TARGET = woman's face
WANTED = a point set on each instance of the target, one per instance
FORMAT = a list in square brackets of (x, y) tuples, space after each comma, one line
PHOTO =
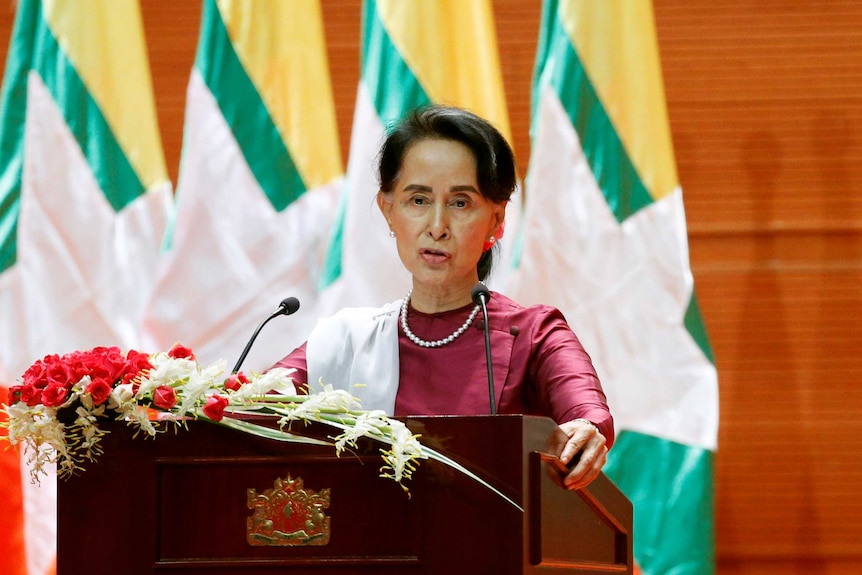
[(440, 218)]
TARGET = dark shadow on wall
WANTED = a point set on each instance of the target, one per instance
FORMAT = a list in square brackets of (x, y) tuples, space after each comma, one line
[(781, 448)]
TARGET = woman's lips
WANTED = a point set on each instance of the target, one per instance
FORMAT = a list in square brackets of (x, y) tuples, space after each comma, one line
[(433, 256)]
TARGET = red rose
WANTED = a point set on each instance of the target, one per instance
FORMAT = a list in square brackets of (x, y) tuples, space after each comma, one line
[(107, 363), (36, 375), (78, 365), (214, 409), (57, 372), (54, 395), (101, 369), (136, 364), (164, 397), (29, 394), (181, 352), (100, 390), (113, 350), (15, 394), (235, 381)]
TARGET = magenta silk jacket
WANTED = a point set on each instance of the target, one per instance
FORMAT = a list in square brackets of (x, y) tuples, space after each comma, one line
[(539, 366)]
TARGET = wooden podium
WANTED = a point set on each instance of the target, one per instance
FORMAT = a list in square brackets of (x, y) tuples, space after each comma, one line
[(190, 502)]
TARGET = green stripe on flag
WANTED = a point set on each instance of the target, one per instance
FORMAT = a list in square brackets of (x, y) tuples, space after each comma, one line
[(694, 324), (245, 112), (671, 488), (613, 169), (13, 101), (10, 205), (332, 264), (34, 47), (394, 90), (393, 86), (106, 158)]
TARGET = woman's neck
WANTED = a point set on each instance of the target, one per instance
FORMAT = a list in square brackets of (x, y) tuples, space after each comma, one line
[(428, 300)]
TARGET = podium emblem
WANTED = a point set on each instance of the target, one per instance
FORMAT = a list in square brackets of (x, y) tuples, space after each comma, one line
[(287, 515)]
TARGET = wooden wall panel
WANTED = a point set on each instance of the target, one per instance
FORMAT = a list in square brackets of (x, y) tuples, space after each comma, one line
[(341, 28), (765, 104), (766, 114), (171, 30)]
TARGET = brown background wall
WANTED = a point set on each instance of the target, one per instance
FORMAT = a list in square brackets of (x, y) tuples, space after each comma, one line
[(766, 114)]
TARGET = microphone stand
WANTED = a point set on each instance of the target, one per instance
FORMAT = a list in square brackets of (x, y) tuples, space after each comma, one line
[(287, 307), (488, 358), (480, 294)]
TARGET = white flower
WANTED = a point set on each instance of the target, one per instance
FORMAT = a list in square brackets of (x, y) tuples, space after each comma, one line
[(138, 417), (199, 383), (275, 380), (405, 450), (166, 371), (368, 424), (328, 400), (42, 434), (121, 395)]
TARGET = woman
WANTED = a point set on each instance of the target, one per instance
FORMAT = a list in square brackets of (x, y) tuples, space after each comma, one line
[(445, 177)]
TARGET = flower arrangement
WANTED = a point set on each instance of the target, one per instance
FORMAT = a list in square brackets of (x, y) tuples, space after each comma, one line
[(56, 410), (62, 399)]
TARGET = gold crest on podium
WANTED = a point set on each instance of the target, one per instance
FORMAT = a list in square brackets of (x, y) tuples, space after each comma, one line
[(288, 514)]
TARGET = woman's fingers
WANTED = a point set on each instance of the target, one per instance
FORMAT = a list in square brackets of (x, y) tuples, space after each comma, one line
[(585, 453)]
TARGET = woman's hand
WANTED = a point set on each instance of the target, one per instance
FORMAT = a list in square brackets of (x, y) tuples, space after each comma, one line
[(586, 441)]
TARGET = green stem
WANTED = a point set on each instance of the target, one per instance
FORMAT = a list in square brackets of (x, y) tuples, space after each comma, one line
[(266, 432)]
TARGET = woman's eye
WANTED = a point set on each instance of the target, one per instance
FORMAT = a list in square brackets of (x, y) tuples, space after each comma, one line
[(459, 203)]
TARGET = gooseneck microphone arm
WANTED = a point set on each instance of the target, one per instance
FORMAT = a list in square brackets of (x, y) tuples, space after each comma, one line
[(480, 296), (286, 307)]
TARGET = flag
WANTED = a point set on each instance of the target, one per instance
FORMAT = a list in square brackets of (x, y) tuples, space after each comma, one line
[(258, 184), (412, 54), (84, 196), (603, 237)]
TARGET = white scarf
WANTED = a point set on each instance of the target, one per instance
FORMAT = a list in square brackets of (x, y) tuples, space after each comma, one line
[(357, 350)]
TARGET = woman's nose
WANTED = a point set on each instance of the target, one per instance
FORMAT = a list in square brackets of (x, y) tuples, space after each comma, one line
[(438, 227)]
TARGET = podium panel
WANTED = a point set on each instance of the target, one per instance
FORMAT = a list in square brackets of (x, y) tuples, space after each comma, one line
[(217, 501)]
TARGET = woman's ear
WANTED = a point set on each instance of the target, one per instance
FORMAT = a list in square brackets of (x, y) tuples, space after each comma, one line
[(385, 205), (499, 217)]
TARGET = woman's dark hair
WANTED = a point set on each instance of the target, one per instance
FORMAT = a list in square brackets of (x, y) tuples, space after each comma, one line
[(495, 161)]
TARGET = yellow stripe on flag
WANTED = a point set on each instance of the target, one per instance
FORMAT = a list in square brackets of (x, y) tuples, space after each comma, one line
[(451, 46), (104, 40), (627, 80), (281, 46)]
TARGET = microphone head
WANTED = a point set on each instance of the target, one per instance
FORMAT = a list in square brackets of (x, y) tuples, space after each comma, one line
[(289, 305), (480, 294)]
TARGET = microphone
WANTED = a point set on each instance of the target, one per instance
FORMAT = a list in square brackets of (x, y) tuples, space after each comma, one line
[(480, 296), (286, 307)]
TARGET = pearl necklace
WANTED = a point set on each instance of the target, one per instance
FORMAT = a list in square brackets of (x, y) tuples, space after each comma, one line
[(440, 342)]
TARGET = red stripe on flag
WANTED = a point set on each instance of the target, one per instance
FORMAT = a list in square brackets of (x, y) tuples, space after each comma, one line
[(12, 556)]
